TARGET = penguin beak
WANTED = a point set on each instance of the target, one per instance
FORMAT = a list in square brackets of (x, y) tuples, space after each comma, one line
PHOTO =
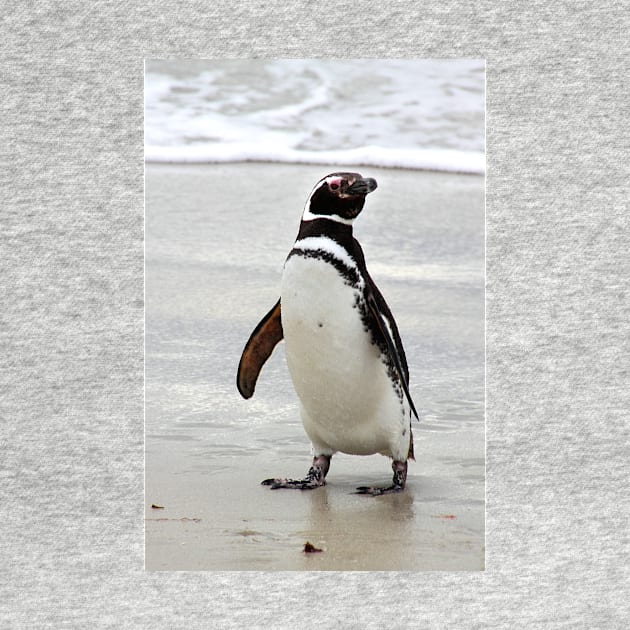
[(362, 186)]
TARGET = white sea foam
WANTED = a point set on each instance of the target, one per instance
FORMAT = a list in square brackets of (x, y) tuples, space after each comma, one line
[(417, 114), (429, 159)]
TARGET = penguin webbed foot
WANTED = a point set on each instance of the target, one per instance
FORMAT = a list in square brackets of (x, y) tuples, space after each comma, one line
[(377, 492), (315, 478), (398, 482), (298, 484)]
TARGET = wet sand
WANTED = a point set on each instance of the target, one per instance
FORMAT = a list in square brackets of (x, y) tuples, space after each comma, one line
[(217, 236)]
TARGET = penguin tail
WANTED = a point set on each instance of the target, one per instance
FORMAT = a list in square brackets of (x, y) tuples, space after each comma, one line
[(410, 454)]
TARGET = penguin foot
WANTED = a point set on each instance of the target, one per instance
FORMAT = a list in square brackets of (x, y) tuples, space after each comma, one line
[(315, 478), (299, 484), (377, 492), (398, 482)]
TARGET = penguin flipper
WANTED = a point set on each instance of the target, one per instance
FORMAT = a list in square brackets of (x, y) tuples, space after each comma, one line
[(391, 347), (258, 349)]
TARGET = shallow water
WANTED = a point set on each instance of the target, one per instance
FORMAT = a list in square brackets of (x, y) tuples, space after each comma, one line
[(216, 239)]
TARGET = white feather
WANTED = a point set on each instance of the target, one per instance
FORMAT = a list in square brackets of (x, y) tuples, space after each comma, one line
[(348, 403)]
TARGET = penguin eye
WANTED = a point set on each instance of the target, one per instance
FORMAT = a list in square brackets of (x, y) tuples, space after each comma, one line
[(334, 186)]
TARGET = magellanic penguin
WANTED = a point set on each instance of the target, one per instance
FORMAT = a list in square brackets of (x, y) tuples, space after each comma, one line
[(344, 353)]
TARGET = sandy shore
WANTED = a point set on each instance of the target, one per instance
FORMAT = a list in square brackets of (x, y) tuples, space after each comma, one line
[(216, 239)]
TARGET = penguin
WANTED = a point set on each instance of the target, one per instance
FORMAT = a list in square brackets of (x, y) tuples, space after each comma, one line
[(343, 349)]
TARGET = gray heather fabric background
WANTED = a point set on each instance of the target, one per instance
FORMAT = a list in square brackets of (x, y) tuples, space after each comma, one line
[(71, 461)]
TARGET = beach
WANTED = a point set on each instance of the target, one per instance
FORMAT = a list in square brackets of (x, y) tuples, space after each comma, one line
[(216, 239)]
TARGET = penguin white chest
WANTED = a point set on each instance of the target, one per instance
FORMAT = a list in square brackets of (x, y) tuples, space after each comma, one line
[(322, 326), (348, 403)]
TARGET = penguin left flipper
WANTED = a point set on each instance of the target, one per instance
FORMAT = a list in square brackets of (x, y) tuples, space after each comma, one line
[(258, 349), (374, 309)]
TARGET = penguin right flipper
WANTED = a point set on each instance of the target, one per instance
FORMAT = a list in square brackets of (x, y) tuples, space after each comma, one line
[(258, 349), (385, 325), (391, 346)]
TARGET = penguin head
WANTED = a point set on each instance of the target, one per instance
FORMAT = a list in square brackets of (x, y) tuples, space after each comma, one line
[(339, 196)]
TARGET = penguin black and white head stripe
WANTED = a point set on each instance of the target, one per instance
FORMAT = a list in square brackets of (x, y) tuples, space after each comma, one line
[(343, 348), (330, 210), (339, 197)]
